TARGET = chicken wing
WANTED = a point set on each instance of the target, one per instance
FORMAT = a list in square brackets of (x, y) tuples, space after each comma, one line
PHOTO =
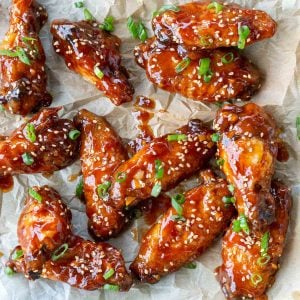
[(23, 79), (247, 147), (211, 76), (94, 54), (170, 243), (43, 144), (161, 164), (101, 153), (210, 25), (251, 261), (48, 248)]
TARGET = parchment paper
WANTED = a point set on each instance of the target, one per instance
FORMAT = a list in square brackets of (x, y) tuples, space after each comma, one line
[(280, 94)]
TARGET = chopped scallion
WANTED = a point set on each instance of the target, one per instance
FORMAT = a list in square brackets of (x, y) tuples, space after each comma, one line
[(177, 202), (79, 4), (230, 188), (228, 200), (177, 218), (216, 5), (159, 169), (215, 137), (166, 7), (108, 24), (103, 188), (108, 274), (30, 132), (111, 287), (183, 65), (9, 271), (298, 127), (79, 188), (243, 32), (35, 195), (227, 58), (17, 254), (74, 134), (156, 190), (204, 69), (121, 177), (191, 265), (27, 159), (98, 72), (256, 279), (263, 260), (137, 29), (176, 137), (60, 252), (220, 162), (88, 15), (264, 244)]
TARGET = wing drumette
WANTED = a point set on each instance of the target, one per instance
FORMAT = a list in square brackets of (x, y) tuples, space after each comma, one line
[(23, 78), (94, 54), (44, 144), (248, 146), (174, 241), (210, 25), (101, 153), (212, 76), (49, 250), (251, 261)]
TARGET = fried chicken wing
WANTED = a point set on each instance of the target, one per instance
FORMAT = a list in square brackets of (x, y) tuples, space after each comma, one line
[(48, 248), (211, 76), (43, 144), (23, 80), (101, 153), (208, 25), (248, 147), (161, 164), (170, 243), (251, 261), (94, 54)]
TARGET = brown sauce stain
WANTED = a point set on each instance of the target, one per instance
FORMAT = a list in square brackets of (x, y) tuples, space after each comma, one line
[(6, 183)]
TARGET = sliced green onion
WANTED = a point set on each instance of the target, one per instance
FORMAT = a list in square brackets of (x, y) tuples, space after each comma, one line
[(176, 137), (60, 252), (263, 260), (256, 279), (191, 265), (166, 7), (177, 218), (79, 188), (17, 254), (23, 56), (35, 195), (137, 29), (27, 159), (236, 226), (183, 65), (159, 169), (177, 202), (108, 274), (88, 15), (30, 132), (215, 137), (121, 177), (230, 188), (220, 162), (228, 200), (156, 190), (9, 53), (98, 72), (244, 32), (9, 271), (206, 40), (244, 224), (227, 58), (108, 24), (298, 127), (216, 5), (111, 287), (79, 4), (204, 69), (142, 32), (2, 107), (264, 244), (102, 189), (74, 134), (28, 39)]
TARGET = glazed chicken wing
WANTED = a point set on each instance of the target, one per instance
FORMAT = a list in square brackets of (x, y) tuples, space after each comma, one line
[(248, 146), (172, 242), (101, 153), (48, 248), (42, 145), (94, 54), (251, 261), (161, 164), (23, 78), (211, 24), (211, 76)]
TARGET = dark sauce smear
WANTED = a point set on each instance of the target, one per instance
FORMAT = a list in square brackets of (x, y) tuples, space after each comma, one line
[(142, 116), (6, 183)]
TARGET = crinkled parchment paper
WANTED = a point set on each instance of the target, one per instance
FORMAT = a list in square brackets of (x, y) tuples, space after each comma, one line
[(280, 94)]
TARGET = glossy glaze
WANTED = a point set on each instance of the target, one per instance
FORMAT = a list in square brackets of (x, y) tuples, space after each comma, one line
[(83, 45), (44, 227), (249, 145), (195, 25), (51, 151), (180, 159), (241, 253), (237, 79), (101, 153), (23, 86), (170, 244)]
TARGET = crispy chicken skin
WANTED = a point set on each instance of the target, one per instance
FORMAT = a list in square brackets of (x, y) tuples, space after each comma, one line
[(196, 25), (101, 153), (246, 271), (23, 85), (178, 159), (248, 147), (51, 251), (236, 79), (170, 244), (43, 140), (84, 47)]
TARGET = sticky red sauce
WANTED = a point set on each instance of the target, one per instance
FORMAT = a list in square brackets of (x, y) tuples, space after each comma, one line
[(6, 183)]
